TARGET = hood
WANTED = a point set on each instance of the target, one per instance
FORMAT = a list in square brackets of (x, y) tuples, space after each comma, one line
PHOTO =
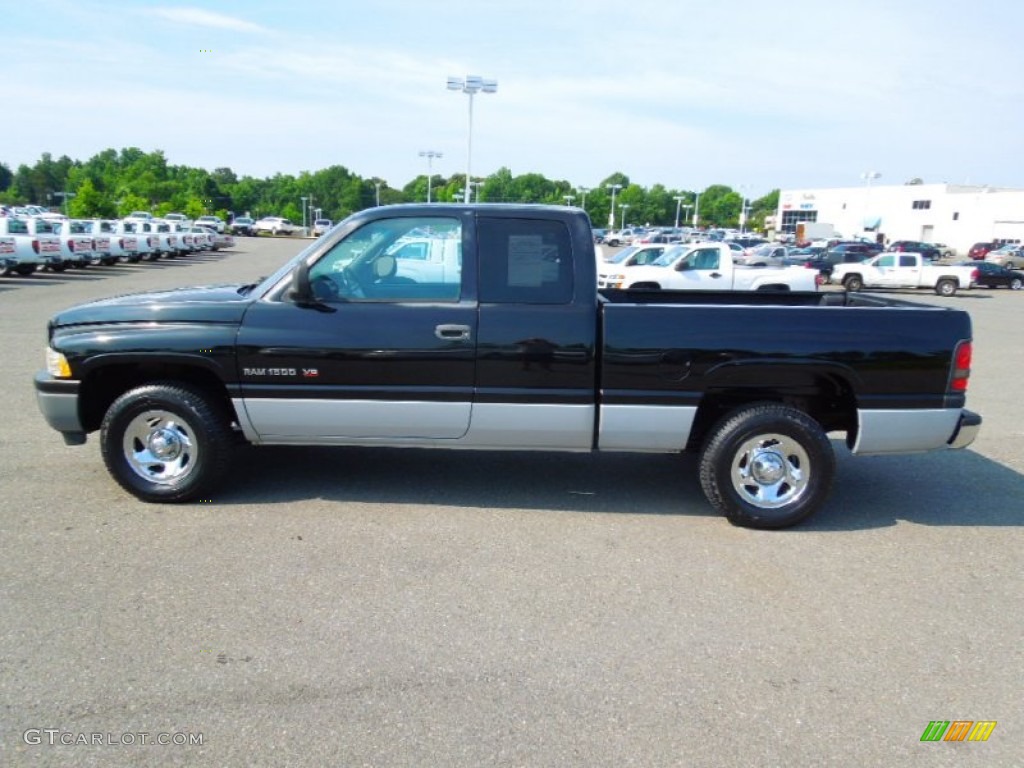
[(204, 304)]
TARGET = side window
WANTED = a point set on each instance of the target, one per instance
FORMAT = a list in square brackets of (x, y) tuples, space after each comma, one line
[(706, 258), (886, 261), (908, 261), (525, 261), (400, 259)]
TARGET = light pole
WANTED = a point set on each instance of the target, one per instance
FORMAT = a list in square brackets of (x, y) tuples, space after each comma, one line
[(430, 154), (686, 210), (583, 191), (611, 211), (377, 184), (471, 85), (696, 210), (679, 201), (623, 207), (743, 206), (568, 199), (304, 198)]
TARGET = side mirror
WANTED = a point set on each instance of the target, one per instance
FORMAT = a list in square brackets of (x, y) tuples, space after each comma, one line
[(301, 291)]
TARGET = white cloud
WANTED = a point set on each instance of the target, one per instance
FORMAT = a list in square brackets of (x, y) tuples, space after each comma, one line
[(201, 18)]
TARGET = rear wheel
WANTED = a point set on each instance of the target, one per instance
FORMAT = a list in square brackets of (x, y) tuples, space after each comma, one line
[(767, 466), (945, 287), (26, 269), (165, 442), (853, 283)]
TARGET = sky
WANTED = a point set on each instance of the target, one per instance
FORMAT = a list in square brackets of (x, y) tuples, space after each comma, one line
[(756, 95)]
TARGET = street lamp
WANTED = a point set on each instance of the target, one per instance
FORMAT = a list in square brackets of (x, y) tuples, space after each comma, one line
[(679, 201), (471, 85), (377, 185), (696, 210), (743, 206), (304, 198), (623, 207), (311, 206), (430, 154), (686, 210), (583, 191), (568, 199), (611, 211)]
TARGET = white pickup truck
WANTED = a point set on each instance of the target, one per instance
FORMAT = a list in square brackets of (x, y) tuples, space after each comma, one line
[(76, 243), (427, 259), (708, 267), (903, 270), (32, 245)]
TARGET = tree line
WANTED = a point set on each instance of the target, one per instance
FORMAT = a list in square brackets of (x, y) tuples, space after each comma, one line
[(113, 183)]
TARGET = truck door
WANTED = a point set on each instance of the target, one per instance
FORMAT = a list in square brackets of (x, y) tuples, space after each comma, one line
[(536, 374), (382, 356), (700, 270)]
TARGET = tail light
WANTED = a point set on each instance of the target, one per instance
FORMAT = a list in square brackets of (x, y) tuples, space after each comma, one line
[(974, 275), (961, 366), (35, 246), (71, 245), (120, 242)]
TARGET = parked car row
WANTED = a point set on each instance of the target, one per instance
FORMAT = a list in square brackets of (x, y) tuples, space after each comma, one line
[(28, 244)]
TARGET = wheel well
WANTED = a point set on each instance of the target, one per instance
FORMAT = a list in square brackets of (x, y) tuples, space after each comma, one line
[(773, 287), (102, 387), (645, 287), (829, 401)]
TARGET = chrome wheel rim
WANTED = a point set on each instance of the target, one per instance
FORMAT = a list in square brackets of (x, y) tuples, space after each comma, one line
[(771, 471), (160, 447)]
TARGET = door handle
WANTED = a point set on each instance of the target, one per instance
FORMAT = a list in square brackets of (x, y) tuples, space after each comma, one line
[(716, 274), (452, 332)]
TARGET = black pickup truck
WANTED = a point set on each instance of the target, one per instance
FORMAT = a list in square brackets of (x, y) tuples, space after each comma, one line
[(480, 327)]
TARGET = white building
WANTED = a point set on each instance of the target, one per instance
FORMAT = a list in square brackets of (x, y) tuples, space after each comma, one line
[(955, 214)]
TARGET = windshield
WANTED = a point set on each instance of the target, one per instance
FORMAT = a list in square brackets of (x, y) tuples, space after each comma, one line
[(622, 255), (669, 256)]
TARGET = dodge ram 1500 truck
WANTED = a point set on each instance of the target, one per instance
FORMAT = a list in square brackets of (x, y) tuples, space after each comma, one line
[(511, 348)]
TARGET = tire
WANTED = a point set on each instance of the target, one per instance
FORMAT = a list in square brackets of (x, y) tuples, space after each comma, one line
[(1010, 265), (767, 466), (853, 283), (58, 267), (945, 287), (26, 269), (1016, 284), (166, 443)]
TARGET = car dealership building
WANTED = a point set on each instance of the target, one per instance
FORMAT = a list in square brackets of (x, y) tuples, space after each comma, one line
[(956, 214)]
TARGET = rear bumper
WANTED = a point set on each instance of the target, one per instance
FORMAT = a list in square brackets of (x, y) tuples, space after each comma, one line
[(966, 429), (58, 402)]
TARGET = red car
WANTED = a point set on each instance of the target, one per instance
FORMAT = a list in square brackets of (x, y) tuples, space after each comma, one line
[(979, 250)]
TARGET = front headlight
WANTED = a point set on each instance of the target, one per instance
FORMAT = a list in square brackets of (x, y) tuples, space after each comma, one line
[(57, 364)]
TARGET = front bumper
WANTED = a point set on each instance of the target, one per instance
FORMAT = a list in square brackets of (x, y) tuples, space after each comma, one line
[(58, 402), (966, 429)]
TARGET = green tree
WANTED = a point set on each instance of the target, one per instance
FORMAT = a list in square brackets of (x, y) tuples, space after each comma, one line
[(89, 203)]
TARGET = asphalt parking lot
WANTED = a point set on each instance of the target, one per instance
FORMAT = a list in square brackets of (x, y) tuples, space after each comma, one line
[(415, 608)]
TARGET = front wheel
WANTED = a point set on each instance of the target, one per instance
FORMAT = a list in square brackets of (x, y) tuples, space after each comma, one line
[(767, 466), (26, 269), (165, 442), (945, 287), (1016, 284)]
